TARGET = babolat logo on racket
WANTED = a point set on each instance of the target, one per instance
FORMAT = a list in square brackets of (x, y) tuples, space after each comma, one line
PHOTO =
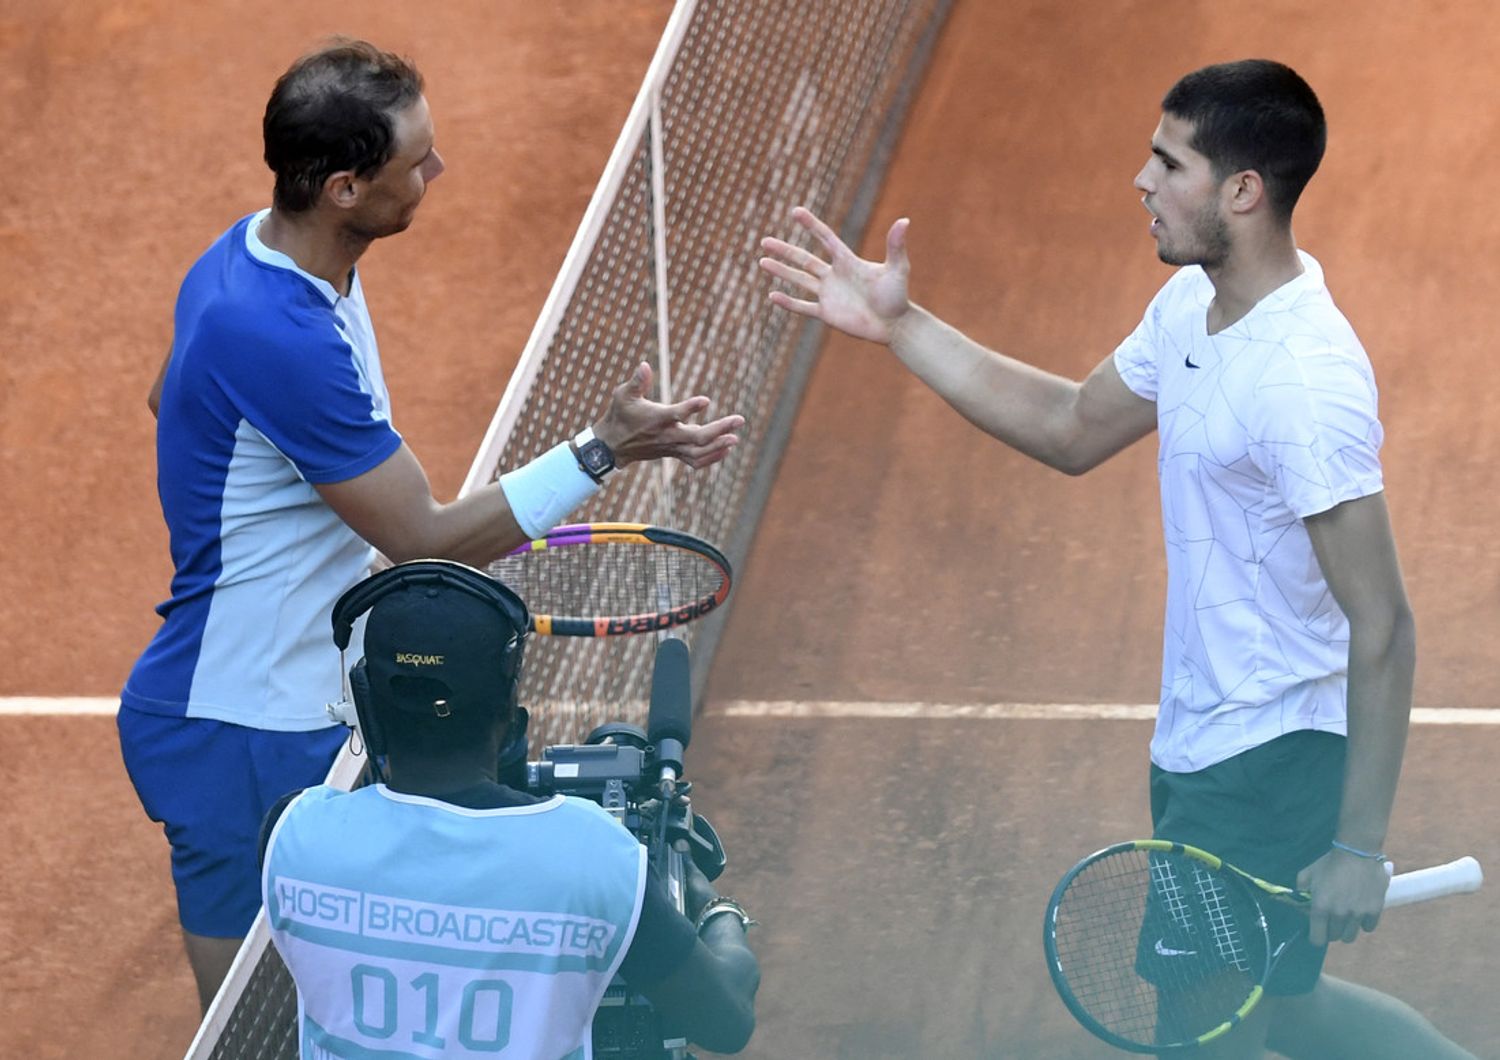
[(665, 620)]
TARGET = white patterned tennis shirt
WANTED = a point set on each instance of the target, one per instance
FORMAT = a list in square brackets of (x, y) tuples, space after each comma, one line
[(1270, 421)]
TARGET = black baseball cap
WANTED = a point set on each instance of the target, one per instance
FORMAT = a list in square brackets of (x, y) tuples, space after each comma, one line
[(434, 649)]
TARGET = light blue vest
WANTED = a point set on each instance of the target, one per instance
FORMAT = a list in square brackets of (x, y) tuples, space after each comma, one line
[(416, 929)]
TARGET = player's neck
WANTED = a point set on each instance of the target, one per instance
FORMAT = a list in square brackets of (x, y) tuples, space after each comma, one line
[(1255, 267), (318, 248)]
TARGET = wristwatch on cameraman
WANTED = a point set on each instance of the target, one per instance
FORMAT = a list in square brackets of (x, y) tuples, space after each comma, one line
[(593, 456), (724, 905)]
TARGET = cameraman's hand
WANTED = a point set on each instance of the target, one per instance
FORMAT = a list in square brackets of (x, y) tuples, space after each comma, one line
[(710, 997), (697, 890)]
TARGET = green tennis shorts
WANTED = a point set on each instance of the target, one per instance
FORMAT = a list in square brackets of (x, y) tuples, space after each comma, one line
[(1272, 811)]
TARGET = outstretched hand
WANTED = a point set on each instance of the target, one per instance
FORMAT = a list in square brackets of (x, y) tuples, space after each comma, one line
[(637, 428), (862, 298)]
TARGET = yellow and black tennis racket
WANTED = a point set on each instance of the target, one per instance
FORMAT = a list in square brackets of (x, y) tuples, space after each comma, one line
[(615, 579), (1158, 946)]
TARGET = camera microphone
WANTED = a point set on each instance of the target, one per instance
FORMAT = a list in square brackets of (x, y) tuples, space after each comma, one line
[(669, 724)]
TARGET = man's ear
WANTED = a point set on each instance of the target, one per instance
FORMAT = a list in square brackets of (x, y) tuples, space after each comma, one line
[(1244, 191), (341, 189)]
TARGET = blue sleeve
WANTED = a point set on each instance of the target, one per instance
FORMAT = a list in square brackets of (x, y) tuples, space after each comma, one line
[(296, 380)]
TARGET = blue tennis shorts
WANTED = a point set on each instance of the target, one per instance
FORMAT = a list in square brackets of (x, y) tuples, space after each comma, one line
[(1272, 811), (209, 784)]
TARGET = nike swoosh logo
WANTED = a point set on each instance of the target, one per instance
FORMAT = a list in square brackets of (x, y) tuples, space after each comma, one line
[(1163, 950), (1188, 360)]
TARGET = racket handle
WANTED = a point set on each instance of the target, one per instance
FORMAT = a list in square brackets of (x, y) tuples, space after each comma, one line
[(1463, 876)]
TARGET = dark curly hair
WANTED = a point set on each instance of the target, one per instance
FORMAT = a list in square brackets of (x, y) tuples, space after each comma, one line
[(331, 111)]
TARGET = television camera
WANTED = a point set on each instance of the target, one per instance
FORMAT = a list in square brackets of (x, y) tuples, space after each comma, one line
[(636, 775)]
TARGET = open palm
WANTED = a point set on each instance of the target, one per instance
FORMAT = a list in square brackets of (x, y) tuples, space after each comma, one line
[(859, 297)]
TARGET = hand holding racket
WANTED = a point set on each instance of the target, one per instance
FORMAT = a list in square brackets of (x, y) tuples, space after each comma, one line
[(1344, 888), (1155, 945), (614, 579)]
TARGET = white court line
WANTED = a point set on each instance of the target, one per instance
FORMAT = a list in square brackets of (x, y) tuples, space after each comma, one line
[(59, 704), (741, 708), (783, 708)]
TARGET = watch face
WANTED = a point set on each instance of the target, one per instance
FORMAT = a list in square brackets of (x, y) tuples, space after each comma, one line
[(596, 457)]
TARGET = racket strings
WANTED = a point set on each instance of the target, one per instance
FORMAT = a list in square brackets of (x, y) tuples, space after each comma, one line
[(609, 578), (1211, 900), (1223, 923), (1154, 947)]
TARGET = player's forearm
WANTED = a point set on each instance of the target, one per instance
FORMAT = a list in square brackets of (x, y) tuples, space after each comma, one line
[(475, 529), (1028, 409), (392, 507), (1382, 662)]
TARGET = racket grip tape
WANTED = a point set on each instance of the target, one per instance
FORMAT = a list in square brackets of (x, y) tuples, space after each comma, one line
[(1463, 876)]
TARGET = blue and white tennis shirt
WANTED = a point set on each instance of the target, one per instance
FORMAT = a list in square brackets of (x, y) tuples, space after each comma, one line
[(416, 929), (1267, 422), (274, 384)]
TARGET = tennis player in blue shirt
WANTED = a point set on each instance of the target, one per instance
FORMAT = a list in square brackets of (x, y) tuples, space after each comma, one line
[(281, 477)]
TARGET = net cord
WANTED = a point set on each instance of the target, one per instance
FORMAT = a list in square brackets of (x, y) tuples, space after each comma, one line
[(647, 102), (665, 469)]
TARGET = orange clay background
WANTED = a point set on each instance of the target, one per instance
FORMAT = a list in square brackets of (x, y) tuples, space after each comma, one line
[(900, 867)]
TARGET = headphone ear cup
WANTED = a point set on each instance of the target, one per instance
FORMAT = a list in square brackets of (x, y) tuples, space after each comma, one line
[(517, 667), (364, 709), (511, 769)]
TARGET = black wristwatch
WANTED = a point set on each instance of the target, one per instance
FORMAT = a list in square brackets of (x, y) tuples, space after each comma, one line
[(594, 457)]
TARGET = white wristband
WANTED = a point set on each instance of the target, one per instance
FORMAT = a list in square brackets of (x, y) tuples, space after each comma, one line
[(543, 492)]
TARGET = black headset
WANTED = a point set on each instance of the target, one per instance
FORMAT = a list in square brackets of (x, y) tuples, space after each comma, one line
[(439, 573)]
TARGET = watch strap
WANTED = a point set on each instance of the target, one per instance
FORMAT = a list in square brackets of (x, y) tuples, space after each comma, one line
[(724, 905)]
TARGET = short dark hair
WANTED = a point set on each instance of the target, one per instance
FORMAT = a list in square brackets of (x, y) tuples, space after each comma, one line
[(331, 111), (1254, 114)]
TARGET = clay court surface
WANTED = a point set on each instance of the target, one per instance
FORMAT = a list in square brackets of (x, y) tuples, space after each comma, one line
[(900, 866)]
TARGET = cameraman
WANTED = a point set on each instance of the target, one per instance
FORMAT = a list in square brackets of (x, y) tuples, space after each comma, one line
[(442, 913)]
